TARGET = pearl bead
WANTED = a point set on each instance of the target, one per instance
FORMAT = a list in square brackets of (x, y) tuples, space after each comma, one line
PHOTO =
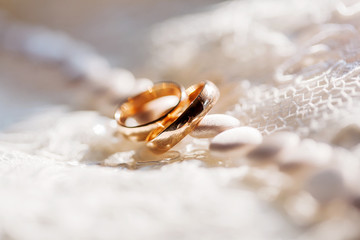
[(235, 142), (88, 65), (213, 124), (325, 185), (155, 108), (348, 136), (142, 84), (355, 202), (47, 46), (120, 81), (308, 153), (275, 145)]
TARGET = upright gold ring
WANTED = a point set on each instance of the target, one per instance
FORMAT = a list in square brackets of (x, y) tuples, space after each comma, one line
[(136, 106), (172, 129)]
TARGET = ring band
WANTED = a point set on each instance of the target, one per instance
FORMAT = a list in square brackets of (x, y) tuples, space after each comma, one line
[(172, 130), (135, 106)]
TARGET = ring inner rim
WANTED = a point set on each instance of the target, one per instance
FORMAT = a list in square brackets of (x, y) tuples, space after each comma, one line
[(193, 93), (134, 104)]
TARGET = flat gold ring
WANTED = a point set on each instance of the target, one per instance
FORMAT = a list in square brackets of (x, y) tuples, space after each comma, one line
[(202, 97), (135, 106)]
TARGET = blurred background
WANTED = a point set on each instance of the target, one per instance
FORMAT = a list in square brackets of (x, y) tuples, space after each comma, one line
[(117, 30)]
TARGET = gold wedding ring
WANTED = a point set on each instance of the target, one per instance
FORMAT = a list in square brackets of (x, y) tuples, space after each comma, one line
[(162, 129), (144, 119), (172, 130)]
